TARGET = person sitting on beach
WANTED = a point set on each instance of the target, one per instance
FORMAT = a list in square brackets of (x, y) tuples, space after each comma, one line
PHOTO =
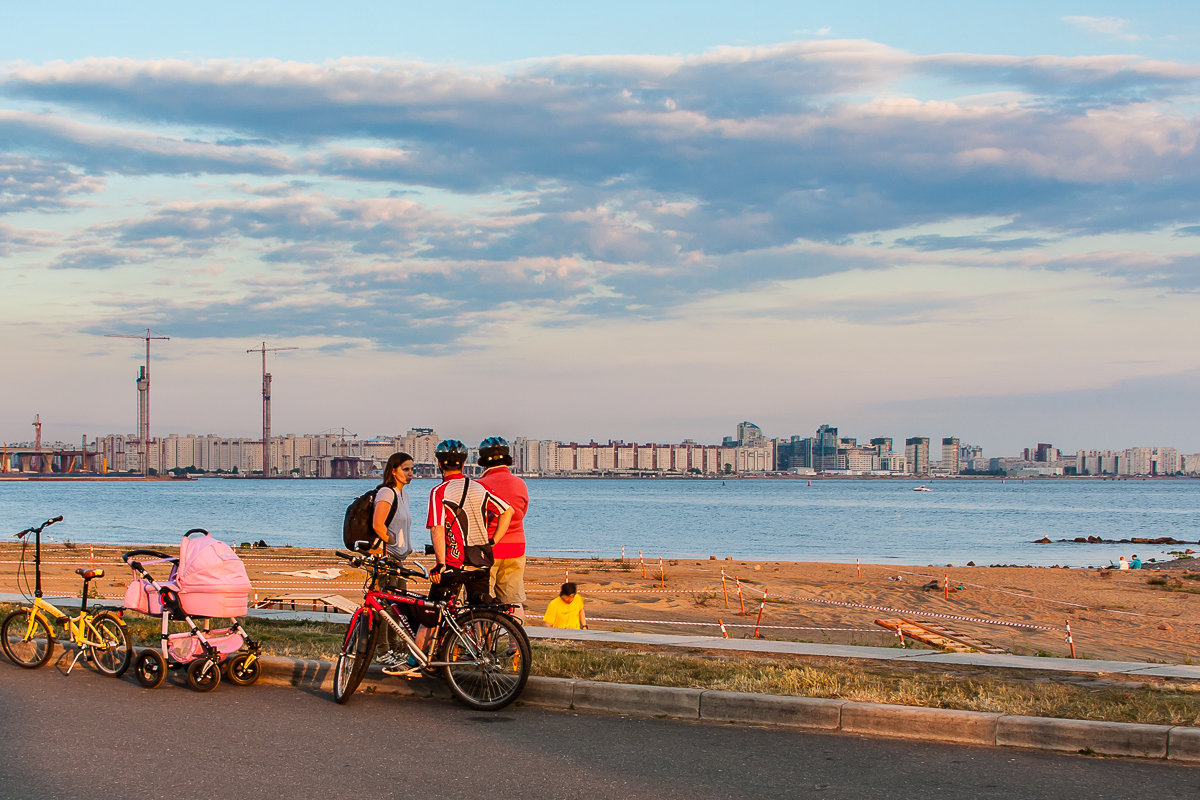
[(1135, 562), (566, 610), (1122, 564)]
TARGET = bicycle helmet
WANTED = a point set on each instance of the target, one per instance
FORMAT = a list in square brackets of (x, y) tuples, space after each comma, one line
[(494, 450), (451, 453)]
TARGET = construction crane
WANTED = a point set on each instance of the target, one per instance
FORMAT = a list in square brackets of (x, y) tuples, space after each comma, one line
[(266, 395), (143, 384)]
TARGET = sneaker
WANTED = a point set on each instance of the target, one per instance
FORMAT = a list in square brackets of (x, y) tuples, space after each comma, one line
[(412, 662), (389, 658), (398, 669)]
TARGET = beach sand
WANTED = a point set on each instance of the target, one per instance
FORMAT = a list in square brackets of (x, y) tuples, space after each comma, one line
[(1113, 615)]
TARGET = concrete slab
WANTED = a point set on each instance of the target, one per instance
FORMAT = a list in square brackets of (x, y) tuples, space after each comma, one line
[(1183, 744), (549, 692), (912, 722), (1084, 736), (763, 709), (642, 701)]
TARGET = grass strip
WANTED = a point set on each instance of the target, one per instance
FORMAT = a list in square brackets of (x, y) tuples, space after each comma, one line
[(1024, 692)]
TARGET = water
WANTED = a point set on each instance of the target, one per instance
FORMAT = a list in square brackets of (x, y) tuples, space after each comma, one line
[(987, 522)]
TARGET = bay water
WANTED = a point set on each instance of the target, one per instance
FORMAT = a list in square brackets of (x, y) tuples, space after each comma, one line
[(877, 521)]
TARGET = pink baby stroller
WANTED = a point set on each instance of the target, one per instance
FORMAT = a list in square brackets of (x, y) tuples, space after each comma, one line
[(207, 580)]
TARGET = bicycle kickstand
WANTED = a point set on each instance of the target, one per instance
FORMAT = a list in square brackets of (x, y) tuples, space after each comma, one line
[(78, 655)]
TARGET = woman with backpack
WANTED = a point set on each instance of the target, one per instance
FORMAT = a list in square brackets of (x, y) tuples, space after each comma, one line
[(391, 522)]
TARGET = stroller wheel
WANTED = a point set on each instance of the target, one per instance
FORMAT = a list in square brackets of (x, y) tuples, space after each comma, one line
[(150, 669), (203, 674), (243, 670)]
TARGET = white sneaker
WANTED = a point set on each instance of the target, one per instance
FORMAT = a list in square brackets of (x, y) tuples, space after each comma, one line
[(389, 658)]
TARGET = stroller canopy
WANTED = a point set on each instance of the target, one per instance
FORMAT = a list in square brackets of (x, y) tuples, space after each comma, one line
[(212, 580)]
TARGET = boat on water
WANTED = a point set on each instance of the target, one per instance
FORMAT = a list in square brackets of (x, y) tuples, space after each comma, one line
[(922, 489)]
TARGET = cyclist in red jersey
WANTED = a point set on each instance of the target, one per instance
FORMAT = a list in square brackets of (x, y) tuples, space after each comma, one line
[(507, 580)]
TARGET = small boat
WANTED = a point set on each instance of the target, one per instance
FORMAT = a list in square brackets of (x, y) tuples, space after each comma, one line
[(922, 489)]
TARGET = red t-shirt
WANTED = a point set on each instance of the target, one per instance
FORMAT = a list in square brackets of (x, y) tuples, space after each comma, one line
[(512, 490)]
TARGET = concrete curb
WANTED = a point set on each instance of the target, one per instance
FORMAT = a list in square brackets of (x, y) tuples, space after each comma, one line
[(1173, 743)]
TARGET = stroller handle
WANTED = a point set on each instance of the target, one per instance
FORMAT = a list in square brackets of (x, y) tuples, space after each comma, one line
[(196, 530), (132, 554)]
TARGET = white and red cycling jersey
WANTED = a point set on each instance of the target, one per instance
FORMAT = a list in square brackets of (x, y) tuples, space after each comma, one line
[(478, 505)]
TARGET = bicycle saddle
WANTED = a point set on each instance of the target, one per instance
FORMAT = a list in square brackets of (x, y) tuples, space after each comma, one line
[(88, 574)]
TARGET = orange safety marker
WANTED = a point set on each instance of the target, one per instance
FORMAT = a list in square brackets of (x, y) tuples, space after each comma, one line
[(1070, 641), (566, 575), (724, 632), (858, 564), (724, 591), (760, 612), (900, 633), (643, 563), (741, 600), (92, 557), (622, 554), (947, 585), (662, 576)]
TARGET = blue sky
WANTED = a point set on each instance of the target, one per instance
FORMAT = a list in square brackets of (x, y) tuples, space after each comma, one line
[(574, 221)]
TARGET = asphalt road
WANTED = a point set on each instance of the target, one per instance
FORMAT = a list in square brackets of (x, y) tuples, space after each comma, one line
[(88, 736)]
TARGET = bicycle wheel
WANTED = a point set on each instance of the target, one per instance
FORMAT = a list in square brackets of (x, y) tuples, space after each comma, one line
[(355, 657), (28, 645), (203, 674), (496, 674), (113, 653), (150, 669), (242, 670)]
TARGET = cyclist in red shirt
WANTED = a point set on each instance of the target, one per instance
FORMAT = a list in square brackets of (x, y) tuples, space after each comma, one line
[(507, 580)]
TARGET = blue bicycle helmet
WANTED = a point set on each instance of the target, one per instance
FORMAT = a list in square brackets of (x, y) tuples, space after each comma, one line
[(494, 450), (451, 452)]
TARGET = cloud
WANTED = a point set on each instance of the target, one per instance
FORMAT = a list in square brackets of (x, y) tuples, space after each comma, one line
[(31, 185), (104, 148), (1113, 27), (935, 242)]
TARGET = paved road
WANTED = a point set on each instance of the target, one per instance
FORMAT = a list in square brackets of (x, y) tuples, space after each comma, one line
[(87, 736)]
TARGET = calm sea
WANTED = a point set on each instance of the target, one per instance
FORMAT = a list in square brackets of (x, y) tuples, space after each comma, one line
[(988, 522)]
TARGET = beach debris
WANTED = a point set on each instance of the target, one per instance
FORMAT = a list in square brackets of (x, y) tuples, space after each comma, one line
[(327, 574), (939, 636)]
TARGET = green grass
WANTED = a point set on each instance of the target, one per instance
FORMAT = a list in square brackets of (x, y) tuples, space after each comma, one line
[(1025, 692)]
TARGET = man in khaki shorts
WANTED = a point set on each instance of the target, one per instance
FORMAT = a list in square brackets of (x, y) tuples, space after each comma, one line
[(508, 573)]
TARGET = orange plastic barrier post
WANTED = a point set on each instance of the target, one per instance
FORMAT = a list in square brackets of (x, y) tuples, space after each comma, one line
[(643, 561), (741, 600), (622, 554), (566, 575), (662, 576), (1070, 641), (724, 591), (760, 613), (724, 632), (947, 585), (858, 564), (92, 557)]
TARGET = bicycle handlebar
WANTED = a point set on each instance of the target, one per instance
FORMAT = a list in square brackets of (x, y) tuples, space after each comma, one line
[(378, 563), (39, 528)]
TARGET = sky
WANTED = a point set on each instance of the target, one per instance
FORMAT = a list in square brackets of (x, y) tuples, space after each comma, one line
[(634, 221)]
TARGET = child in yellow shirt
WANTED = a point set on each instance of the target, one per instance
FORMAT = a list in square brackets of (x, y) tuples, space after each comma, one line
[(566, 610)]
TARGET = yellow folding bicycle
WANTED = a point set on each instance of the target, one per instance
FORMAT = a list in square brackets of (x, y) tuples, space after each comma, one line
[(99, 634)]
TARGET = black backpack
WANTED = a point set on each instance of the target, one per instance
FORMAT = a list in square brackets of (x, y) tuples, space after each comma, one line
[(356, 527)]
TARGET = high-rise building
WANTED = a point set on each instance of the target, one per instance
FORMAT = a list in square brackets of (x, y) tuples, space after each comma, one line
[(882, 444), (748, 433), (916, 453), (825, 448), (950, 455)]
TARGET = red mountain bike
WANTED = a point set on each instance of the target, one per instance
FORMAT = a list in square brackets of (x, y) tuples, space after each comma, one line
[(480, 651)]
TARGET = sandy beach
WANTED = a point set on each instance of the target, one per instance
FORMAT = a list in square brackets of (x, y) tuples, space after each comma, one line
[(1114, 615)]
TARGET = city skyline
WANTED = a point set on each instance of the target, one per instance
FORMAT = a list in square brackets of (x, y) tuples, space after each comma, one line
[(641, 220)]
